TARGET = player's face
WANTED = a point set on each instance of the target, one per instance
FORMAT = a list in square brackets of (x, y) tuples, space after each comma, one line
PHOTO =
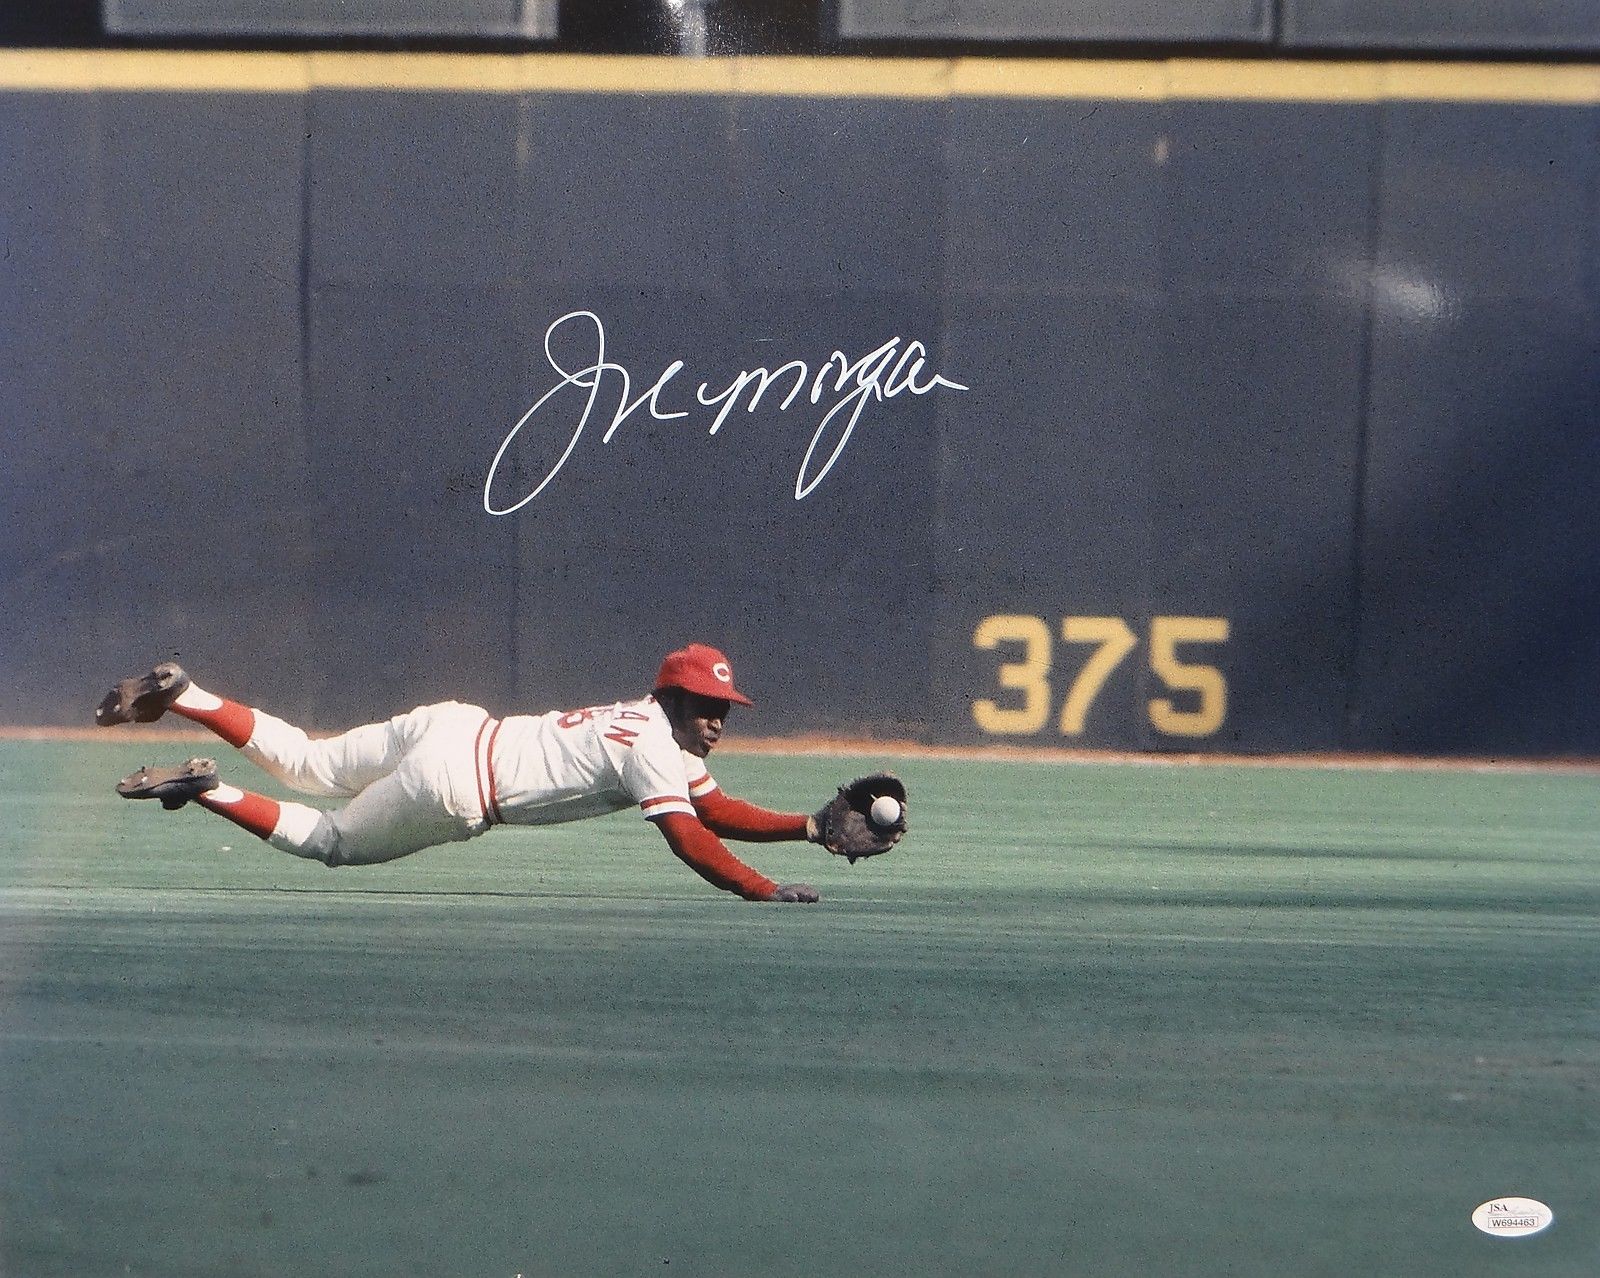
[(696, 721)]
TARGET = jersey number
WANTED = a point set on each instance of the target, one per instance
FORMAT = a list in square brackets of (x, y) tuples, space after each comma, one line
[(616, 732)]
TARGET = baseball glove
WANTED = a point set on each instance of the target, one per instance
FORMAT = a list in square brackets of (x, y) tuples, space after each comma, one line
[(845, 824)]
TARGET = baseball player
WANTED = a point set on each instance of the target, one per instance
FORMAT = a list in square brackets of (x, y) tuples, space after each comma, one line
[(449, 772)]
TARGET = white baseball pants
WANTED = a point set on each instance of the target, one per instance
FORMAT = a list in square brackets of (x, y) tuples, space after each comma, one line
[(412, 779)]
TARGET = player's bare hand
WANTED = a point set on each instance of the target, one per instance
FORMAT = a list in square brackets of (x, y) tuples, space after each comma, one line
[(797, 894)]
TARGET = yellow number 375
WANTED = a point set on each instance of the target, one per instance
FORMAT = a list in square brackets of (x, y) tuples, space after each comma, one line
[(1112, 640)]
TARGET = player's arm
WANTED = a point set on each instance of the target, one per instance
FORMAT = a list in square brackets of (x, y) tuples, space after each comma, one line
[(733, 818), (704, 853)]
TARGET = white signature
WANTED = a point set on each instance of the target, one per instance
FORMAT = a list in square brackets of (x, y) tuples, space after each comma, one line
[(882, 373)]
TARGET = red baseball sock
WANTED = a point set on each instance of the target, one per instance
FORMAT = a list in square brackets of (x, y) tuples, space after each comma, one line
[(254, 812), (228, 719)]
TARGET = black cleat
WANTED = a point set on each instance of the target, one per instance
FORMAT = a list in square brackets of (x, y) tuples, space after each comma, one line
[(143, 699), (173, 786)]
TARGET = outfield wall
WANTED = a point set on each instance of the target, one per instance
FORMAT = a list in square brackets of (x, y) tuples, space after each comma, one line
[(1276, 429)]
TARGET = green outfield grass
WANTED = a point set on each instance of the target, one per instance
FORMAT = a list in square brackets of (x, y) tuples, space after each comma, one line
[(1088, 1020)]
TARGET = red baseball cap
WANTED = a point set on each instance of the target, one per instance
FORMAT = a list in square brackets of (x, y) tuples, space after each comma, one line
[(700, 668)]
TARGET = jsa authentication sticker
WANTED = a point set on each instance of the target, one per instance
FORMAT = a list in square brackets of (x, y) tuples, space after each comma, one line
[(1512, 1217)]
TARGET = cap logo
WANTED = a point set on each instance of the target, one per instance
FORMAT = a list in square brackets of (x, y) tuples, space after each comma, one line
[(722, 673)]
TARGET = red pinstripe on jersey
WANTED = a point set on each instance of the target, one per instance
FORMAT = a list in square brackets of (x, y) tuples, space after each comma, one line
[(483, 760)]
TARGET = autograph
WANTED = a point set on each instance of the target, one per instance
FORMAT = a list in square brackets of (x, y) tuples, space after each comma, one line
[(882, 373)]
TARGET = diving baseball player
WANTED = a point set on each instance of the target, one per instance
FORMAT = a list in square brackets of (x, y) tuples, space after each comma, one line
[(449, 772)]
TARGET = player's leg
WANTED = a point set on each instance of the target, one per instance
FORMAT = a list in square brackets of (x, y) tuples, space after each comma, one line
[(353, 761), (341, 765), (197, 781), (345, 764), (145, 698), (391, 818)]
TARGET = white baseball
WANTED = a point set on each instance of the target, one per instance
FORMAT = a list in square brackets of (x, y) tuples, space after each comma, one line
[(885, 810)]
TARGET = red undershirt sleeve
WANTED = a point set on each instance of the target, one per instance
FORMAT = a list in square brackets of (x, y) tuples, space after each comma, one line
[(735, 819), (701, 850)]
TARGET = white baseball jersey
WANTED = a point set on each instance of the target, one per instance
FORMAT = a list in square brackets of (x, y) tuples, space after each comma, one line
[(564, 766)]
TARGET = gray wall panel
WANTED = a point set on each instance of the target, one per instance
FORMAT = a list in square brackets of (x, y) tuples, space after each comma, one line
[(1523, 186), (1052, 197), (1481, 591), (50, 535), (316, 17), (197, 377), (173, 376), (1046, 500), (839, 193), (1570, 25), (1254, 477), (411, 186), (48, 271), (613, 198), (1482, 588), (1245, 21), (411, 388), (1256, 209), (1046, 461)]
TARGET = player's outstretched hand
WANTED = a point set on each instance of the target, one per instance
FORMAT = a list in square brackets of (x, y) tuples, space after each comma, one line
[(797, 894)]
